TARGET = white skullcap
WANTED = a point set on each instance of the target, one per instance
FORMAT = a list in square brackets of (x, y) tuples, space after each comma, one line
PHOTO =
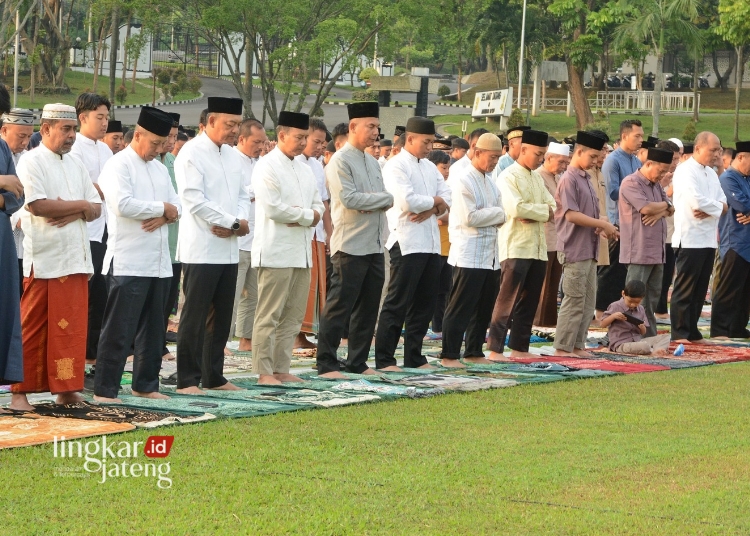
[(18, 116), (59, 111), (677, 142), (559, 148), (489, 142)]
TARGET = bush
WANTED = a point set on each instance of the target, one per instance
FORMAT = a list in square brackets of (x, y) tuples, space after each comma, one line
[(165, 89), (443, 91), (121, 94), (194, 83), (367, 73), (174, 89), (364, 95), (689, 134), (164, 76), (516, 118)]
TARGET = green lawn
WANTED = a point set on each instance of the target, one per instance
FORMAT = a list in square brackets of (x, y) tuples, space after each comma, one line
[(559, 125), (658, 453)]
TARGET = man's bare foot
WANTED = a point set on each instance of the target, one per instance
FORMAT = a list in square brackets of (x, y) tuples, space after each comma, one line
[(70, 397), (519, 353), (246, 345), (169, 356), (156, 395), (333, 375), (721, 337), (477, 360), (228, 352), (452, 363), (562, 353), (226, 387), (268, 379), (344, 342), (19, 402), (659, 353), (91, 361), (192, 390), (427, 366), (301, 341), (287, 377), (107, 400), (370, 372), (130, 359), (392, 368), (685, 341), (580, 352), (662, 316), (496, 357)]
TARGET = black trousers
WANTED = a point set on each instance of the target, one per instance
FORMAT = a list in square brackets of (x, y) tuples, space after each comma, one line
[(666, 282), (469, 310), (174, 292), (693, 273), (444, 289), (205, 323), (133, 318), (610, 280), (730, 305), (97, 297), (521, 282), (412, 292), (351, 305)]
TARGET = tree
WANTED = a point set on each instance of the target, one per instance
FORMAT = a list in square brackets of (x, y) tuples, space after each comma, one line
[(735, 28), (652, 21)]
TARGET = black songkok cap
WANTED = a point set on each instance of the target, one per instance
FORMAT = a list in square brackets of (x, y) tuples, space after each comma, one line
[(114, 126), (535, 137), (294, 120), (190, 132), (399, 130), (743, 147), (155, 121), (386, 143), (661, 156), (420, 125), (589, 140), (687, 148), (363, 109), (653, 139), (224, 105), (645, 144), (175, 119), (460, 143)]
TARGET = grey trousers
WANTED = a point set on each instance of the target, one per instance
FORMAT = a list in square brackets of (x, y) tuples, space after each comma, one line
[(245, 298), (578, 304), (651, 275), (645, 346)]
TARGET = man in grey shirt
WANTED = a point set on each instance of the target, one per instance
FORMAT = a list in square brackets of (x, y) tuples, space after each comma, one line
[(358, 205)]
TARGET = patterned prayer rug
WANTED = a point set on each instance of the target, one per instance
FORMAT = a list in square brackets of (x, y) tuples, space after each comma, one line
[(29, 429)]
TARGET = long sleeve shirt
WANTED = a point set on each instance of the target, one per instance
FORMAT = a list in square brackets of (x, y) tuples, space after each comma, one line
[(135, 191), (733, 234), (524, 197), (414, 183), (320, 181), (285, 192), (358, 202), (503, 163), (173, 228), (696, 187), (476, 213), (55, 251), (209, 182), (94, 154), (248, 166), (616, 167)]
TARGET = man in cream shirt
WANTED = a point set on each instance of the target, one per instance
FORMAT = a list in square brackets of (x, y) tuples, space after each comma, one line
[(288, 207), (215, 207), (142, 201)]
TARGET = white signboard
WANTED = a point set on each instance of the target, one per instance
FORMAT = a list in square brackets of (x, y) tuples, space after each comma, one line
[(493, 103)]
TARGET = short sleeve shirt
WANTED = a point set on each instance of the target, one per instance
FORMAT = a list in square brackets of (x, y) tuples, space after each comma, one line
[(574, 192), (640, 243)]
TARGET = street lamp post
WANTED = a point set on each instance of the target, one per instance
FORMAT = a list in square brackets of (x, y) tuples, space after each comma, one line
[(520, 60), (17, 51)]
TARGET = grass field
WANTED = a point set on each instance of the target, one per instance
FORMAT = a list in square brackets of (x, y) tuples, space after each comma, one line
[(559, 125), (658, 453)]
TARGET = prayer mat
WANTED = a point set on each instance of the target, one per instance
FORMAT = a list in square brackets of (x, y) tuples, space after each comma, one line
[(596, 364), (29, 429), (712, 352), (664, 361), (215, 406), (299, 397), (538, 368), (452, 382), (113, 413)]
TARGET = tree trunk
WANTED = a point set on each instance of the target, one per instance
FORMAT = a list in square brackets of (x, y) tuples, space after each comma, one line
[(125, 51), (114, 46), (722, 79), (98, 57), (738, 91), (696, 82), (656, 109), (584, 116), (247, 93), (458, 94)]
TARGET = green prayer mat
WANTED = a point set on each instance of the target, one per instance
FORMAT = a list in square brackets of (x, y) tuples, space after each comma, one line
[(215, 406)]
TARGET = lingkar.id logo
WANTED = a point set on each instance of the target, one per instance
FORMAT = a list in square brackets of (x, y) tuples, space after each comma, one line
[(120, 459)]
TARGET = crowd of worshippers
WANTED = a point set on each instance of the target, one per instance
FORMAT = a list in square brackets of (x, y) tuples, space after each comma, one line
[(350, 237)]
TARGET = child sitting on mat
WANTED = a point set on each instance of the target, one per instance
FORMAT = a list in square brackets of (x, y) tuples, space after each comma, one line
[(626, 323)]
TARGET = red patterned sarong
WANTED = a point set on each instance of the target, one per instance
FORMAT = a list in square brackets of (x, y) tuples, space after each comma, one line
[(54, 325), (316, 298)]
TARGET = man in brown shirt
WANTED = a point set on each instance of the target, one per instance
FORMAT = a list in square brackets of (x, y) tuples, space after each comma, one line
[(555, 162), (578, 228), (643, 207)]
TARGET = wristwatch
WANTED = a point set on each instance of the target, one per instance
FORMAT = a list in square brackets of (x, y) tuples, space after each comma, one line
[(236, 225)]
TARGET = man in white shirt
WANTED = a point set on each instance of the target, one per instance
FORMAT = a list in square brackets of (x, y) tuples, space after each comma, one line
[(16, 128), (60, 198), (288, 207), (699, 202), (215, 210), (476, 213), (93, 116), (420, 196), (358, 205), (250, 144), (385, 152), (464, 163), (142, 201)]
